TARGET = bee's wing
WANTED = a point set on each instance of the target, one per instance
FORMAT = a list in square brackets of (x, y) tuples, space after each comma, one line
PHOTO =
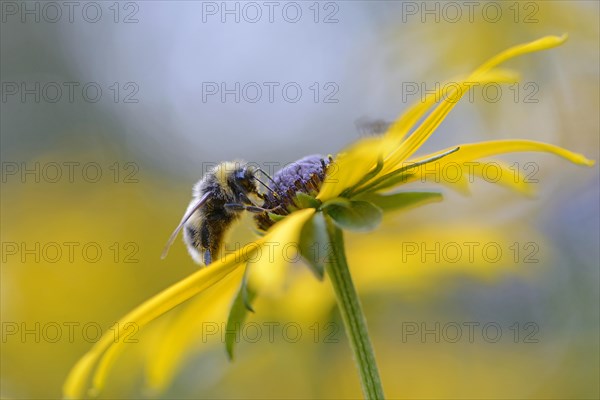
[(186, 216)]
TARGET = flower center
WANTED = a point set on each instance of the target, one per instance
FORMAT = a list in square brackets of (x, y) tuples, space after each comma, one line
[(303, 176)]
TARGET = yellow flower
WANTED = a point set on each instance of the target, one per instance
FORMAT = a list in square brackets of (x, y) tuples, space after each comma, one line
[(395, 148), (350, 196)]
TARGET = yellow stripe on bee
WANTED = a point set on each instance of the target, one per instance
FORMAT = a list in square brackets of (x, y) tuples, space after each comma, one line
[(224, 170)]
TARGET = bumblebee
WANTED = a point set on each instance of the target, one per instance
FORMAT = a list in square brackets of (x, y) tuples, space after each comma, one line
[(229, 189), (218, 200)]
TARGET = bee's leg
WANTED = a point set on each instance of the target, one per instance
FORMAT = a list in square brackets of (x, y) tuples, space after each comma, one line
[(234, 206), (205, 243), (242, 207)]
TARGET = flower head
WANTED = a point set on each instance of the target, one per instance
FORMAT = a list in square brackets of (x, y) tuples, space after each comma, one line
[(349, 190), (303, 176)]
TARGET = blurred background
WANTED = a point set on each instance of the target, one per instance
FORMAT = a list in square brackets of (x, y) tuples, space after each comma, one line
[(111, 111)]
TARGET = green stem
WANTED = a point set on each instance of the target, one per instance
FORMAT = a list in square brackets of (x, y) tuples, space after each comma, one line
[(352, 315)]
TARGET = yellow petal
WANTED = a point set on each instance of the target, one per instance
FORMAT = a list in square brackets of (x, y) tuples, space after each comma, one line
[(459, 174), (424, 131), (183, 333), (545, 43), (142, 315), (188, 330), (502, 174), (349, 167), (76, 384), (409, 118), (444, 169), (474, 151), (267, 269)]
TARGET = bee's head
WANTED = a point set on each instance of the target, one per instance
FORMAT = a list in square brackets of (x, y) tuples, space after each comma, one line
[(242, 179)]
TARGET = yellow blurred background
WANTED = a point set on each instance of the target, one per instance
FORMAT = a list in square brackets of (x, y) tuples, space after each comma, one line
[(92, 187)]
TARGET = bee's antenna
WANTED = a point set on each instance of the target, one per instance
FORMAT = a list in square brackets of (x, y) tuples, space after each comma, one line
[(264, 184), (186, 216), (268, 176)]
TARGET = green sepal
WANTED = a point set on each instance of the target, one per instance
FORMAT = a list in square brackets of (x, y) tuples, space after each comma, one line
[(357, 215), (275, 217), (304, 200), (237, 314), (401, 200), (313, 244), (339, 201)]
